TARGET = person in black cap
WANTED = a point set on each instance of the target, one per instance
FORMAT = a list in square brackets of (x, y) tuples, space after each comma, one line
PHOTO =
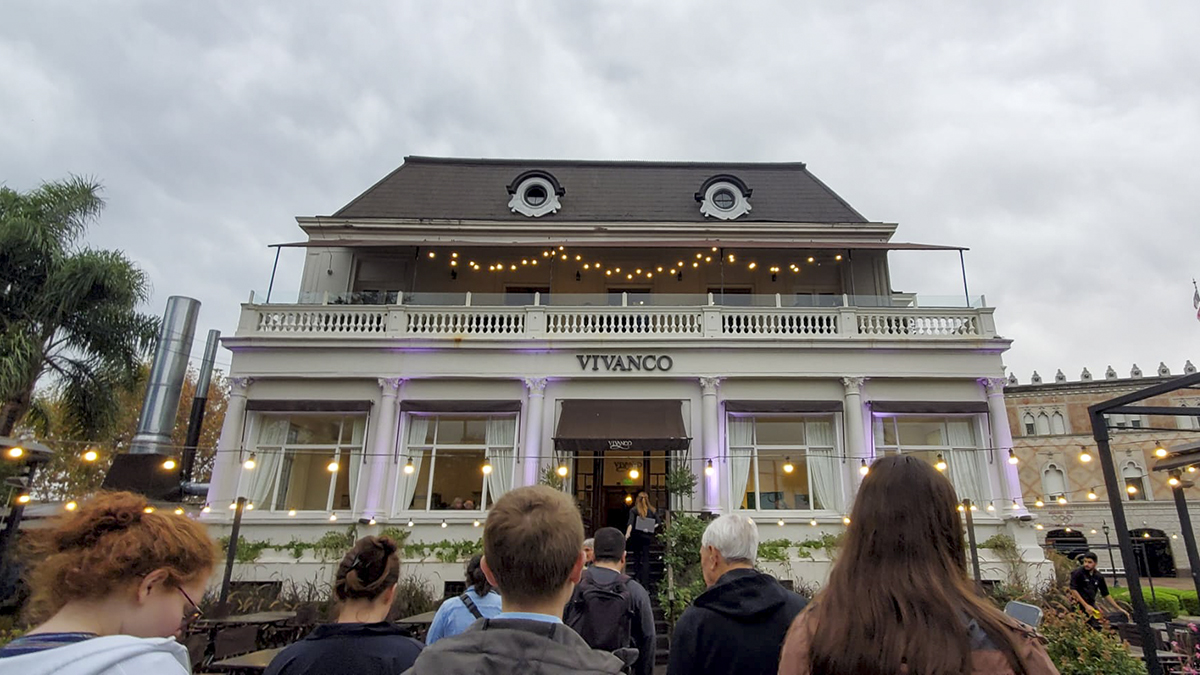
[(609, 610)]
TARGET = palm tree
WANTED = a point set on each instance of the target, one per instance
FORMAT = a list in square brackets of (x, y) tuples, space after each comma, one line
[(66, 311)]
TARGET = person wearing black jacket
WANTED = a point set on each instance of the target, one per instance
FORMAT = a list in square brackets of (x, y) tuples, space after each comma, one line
[(739, 623), (362, 641)]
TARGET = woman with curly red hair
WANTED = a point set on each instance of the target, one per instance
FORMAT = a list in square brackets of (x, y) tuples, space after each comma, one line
[(117, 580)]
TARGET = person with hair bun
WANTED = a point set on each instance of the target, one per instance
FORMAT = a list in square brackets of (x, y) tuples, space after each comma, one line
[(361, 641), (478, 602), (117, 580)]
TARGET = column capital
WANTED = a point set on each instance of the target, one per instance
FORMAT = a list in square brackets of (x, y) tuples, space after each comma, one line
[(708, 385), (853, 385), (994, 385), (536, 385), (239, 385), (390, 385)]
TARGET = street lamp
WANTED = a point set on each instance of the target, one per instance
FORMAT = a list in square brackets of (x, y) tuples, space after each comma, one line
[(1112, 562)]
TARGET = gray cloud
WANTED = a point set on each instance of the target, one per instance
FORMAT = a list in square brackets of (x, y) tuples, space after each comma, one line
[(1057, 141)]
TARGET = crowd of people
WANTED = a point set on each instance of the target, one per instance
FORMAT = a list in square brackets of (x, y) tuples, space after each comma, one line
[(117, 580)]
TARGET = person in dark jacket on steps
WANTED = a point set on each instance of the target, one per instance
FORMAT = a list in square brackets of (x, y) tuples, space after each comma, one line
[(739, 623), (533, 554), (362, 641)]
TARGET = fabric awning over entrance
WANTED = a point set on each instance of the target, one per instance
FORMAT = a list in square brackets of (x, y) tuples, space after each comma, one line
[(600, 425)]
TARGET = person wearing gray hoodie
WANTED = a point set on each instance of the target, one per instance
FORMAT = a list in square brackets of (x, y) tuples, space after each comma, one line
[(116, 579), (532, 554)]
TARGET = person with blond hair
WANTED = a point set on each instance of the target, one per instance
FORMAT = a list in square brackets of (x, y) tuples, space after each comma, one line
[(640, 531), (116, 580), (899, 599), (533, 555)]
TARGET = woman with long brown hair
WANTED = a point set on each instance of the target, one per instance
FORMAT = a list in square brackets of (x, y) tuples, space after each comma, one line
[(640, 533), (899, 600)]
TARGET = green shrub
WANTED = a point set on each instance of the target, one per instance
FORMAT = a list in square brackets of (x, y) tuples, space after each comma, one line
[(1077, 649), (1189, 603), (1163, 600)]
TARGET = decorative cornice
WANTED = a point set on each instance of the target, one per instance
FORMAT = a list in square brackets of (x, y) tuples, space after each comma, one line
[(239, 385), (390, 385), (536, 385), (854, 385), (709, 385)]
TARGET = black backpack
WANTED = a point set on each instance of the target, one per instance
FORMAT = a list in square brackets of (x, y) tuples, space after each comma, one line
[(602, 613)]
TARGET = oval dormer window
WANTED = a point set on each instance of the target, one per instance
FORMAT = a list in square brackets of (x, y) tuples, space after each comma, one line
[(724, 197), (534, 194)]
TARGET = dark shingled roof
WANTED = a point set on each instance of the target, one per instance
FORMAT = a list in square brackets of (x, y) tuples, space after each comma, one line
[(476, 189)]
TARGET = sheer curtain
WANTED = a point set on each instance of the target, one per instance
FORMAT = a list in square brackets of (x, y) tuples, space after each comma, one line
[(823, 466), (271, 437), (418, 426), (741, 455), (501, 437), (355, 453), (966, 465)]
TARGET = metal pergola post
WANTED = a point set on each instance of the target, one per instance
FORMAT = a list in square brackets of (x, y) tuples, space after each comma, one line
[(234, 534), (1189, 535), (966, 506)]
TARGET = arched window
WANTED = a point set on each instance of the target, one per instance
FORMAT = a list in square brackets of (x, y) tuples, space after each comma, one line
[(1058, 425), (1135, 483), (1030, 425), (1043, 424), (1054, 481)]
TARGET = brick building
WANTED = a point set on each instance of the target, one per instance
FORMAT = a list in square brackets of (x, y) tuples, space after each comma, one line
[(1052, 439)]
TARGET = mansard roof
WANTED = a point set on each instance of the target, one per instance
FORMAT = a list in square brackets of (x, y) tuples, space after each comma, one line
[(436, 188)]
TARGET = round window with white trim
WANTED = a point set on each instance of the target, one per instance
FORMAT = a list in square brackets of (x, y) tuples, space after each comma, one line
[(724, 201), (535, 196)]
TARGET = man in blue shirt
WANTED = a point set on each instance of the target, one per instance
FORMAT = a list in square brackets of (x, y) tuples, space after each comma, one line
[(457, 614)]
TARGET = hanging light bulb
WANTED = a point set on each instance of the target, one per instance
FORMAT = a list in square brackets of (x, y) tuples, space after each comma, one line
[(408, 466), (206, 509), (16, 452), (714, 249), (332, 517), (731, 258), (974, 508), (752, 265), (432, 254), (1174, 481), (1093, 531), (1084, 455), (941, 463), (788, 467), (709, 470), (634, 473), (371, 521), (332, 466), (249, 506), (169, 464), (846, 520), (444, 525), (91, 456), (1062, 499), (250, 462), (233, 505), (148, 509), (487, 467), (1038, 527), (1159, 450), (961, 509), (1012, 458), (291, 513), (475, 524), (1039, 503), (1174, 536), (1191, 468), (991, 508), (780, 523), (863, 469), (813, 522), (1015, 505), (1092, 494), (562, 470), (1131, 489), (837, 257), (1145, 535), (178, 511), (410, 522), (628, 498), (810, 258), (23, 498)]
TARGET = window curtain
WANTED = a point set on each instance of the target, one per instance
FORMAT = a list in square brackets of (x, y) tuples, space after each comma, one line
[(418, 426), (355, 453), (501, 436), (823, 466), (271, 437), (741, 455), (966, 465)]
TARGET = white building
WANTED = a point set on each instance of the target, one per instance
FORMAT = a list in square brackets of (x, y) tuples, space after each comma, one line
[(601, 316)]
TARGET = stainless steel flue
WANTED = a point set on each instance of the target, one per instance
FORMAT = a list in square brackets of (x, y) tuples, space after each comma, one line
[(167, 373)]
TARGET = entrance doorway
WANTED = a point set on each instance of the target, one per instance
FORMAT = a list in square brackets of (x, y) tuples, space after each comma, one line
[(605, 488)]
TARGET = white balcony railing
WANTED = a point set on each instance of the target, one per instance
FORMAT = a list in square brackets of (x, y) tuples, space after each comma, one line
[(538, 322)]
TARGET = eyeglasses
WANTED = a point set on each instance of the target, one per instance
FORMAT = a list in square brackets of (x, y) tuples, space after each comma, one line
[(190, 616)]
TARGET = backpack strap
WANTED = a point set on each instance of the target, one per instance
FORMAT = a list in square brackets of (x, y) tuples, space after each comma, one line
[(466, 600)]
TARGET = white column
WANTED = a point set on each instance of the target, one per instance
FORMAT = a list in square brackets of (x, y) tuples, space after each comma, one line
[(382, 450), (536, 387), (227, 463), (1010, 481), (710, 424), (856, 436)]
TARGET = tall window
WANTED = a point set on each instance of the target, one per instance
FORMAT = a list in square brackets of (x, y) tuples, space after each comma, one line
[(306, 462), (784, 462), (1044, 421), (449, 454), (1054, 482), (1189, 421), (1126, 421), (953, 438), (1135, 483)]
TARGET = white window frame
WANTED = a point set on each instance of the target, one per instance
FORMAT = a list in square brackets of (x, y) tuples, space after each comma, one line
[(432, 450), (1147, 494), (333, 450), (1126, 422), (1033, 414), (1048, 494), (977, 421), (798, 451), (1189, 422)]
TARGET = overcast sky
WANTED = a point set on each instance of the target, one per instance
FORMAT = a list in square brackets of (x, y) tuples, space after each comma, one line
[(1059, 141)]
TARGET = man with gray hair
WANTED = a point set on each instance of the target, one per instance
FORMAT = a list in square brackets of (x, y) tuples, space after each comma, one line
[(739, 623)]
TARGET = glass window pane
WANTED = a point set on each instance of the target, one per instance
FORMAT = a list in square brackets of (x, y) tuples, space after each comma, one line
[(921, 431), (461, 430), (306, 483), (458, 476), (779, 489), (342, 490), (779, 430), (314, 429), (889, 431), (423, 460)]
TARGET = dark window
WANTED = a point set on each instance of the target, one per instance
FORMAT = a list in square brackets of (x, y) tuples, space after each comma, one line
[(724, 199), (535, 195), (1029, 430)]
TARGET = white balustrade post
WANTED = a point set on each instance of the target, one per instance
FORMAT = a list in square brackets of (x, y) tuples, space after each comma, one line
[(534, 408), (383, 448), (856, 431), (1010, 480), (711, 441), (227, 464)]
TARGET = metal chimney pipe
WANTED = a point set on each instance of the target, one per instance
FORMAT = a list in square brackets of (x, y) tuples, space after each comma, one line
[(167, 372), (196, 418)]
